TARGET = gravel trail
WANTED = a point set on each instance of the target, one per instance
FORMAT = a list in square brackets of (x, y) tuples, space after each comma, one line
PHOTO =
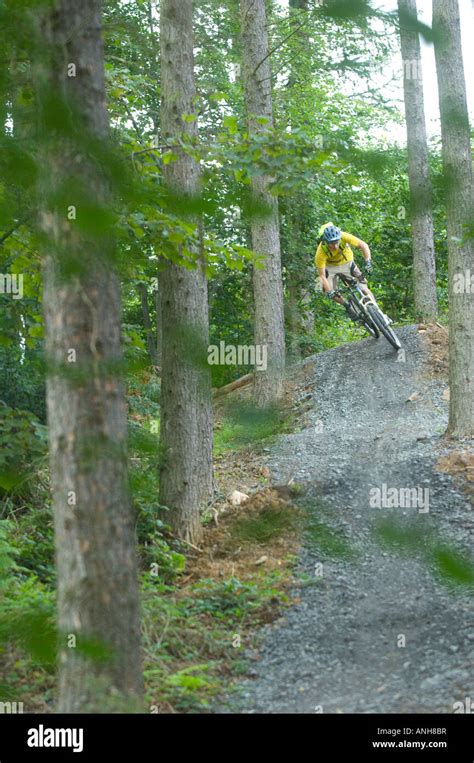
[(341, 648)]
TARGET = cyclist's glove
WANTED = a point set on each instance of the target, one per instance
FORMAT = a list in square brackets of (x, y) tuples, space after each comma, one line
[(368, 267)]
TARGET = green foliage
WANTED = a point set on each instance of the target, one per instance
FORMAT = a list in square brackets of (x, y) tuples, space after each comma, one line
[(157, 552), (7, 552), (22, 450), (22, 382), (267, 524), (243, 424), (161, 555), (32, 630), (27, 612), (232, 601), (189, 639), (33, 537), (452, 566), (327, 540)]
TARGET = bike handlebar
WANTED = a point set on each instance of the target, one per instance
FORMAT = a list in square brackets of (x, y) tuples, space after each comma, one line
[(350, 282)]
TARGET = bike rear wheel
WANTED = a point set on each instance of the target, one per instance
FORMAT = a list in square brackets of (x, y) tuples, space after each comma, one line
[(379, 321)]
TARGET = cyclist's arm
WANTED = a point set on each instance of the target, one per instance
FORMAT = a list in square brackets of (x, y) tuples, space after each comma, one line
[(324, 280), (326, 287), (365, 250), (358, 244)]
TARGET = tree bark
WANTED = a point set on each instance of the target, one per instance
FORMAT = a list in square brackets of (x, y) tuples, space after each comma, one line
[(186, 402), (267, 282), (94, 530), (459, 188), (421, 198), (297, 324), (293, 318), (159, 344)]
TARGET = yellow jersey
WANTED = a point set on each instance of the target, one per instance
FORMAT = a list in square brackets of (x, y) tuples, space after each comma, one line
[(344, 253)]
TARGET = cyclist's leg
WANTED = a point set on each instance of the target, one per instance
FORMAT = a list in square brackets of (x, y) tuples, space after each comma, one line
[(344, 269), (363, 282), (355, 271)]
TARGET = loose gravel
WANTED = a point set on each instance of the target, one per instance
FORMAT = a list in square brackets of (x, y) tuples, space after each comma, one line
[(375, 631)]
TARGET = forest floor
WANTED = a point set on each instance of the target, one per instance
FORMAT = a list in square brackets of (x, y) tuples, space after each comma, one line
[(384, 621)]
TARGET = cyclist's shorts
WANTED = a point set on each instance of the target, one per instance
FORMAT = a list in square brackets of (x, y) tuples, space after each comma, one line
[(347, 269)]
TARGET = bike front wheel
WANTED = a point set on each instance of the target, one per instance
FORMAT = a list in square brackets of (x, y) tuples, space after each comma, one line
[(379, 319), (364, 319)]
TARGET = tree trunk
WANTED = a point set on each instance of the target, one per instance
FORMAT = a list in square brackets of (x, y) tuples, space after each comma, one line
[(293, 318), (150, 339), (297, 267), (421, 200), (267, 282), (159, 344), (94, 530), (186, 403), (458, 182)]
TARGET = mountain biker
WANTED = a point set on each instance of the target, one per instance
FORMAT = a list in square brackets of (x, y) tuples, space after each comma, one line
[(334, 256)]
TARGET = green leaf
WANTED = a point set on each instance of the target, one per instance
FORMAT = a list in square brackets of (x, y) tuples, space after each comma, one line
[(169, 157), (231, 124)]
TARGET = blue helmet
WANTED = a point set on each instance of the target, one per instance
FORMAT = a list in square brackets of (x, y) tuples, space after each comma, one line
[(331, 233)]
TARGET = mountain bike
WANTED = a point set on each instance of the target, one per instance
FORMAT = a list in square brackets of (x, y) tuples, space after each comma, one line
[(369, 314)]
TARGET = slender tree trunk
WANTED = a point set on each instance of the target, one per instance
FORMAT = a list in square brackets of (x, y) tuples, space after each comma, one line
[(293, 319), (186, 407), (296, 323), (458, 182), (150, 339), (421, 201), (159, 343), (267, 282), (94, 531)]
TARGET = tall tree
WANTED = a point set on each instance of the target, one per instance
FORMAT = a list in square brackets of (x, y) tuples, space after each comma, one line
[(186, 408), (267, 281), (296, 277), (421, 198), (94, 531), (459, 194)]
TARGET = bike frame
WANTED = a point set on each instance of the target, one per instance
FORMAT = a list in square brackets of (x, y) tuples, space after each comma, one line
[(353, 285), (374, 318)]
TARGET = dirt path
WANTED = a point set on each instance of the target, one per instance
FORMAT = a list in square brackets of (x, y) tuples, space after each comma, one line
[(341, 648)]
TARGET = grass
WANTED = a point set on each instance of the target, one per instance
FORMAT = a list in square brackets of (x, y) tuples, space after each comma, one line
[(268, 524), (323, 538), (194, 640), (328, 541), (243, 424)]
